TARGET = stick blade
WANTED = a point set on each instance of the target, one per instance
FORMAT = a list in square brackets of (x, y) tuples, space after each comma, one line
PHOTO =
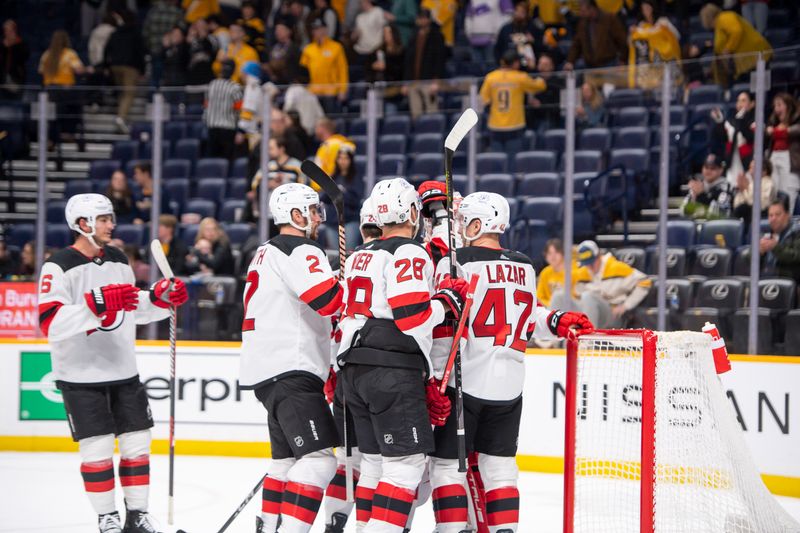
[(161, 260), (466, 122), (326, 183)]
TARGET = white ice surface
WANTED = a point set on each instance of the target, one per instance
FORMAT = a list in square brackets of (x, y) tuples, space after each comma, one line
[(43, 492)]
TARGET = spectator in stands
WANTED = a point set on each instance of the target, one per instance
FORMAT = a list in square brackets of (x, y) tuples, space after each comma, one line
[(482, 24), (13, 58), (780, 248), (298, 14), (175, 57), (295, 127), (756, 13), (367, 34), (504, 91), (443, 13), (174, 248), (200, 9), (323, 11), (141, 269), (425, 61), (600, 41), (736, 134), (551, 278), (219, 33), (201, 54), (590, 113), (162, 17), (784, 132), (653, 41), (221, 116), (330, 143), (743, 192), (282, 169), (548, 12), (710, 194), (545, 110), (254, 28), (8, 263), (344, 174), (283, 65), (125, 55), (403, 14), (607, 288), (298, 98), (26, 268), (280, 126), (519, 34), (122, 198), (733, 36), (143, 177), (237, 51), (327, 67), (211, 253), (98, 40), (58, 66), (387, 65)]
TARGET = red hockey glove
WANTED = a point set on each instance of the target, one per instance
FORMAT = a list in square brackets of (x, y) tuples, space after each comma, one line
[(168, 292), (437, 249), (433, 196), (438, 404), (330, 386), (109, 298), (569, 325), (452, 292)]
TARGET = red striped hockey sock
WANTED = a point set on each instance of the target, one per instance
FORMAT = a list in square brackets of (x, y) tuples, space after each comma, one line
[(98, 480), (390, 507), (364, 504), (134, 476), (336, 494), (502, 508), (271, 497), (299, 507), (450, 508)]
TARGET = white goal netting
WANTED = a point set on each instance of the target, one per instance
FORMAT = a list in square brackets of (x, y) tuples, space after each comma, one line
[(704, 477)]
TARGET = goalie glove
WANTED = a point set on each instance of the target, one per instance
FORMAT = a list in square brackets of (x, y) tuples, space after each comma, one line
[(166, 292), (452, 293), (438, 404), (569, 325), (112, 298)]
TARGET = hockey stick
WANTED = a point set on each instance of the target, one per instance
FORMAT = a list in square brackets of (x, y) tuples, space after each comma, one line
[(243, 504), (163, 265), (462, 322), (336, 195), (466, 122)]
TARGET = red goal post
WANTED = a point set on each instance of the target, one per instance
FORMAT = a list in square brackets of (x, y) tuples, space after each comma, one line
[(652, 444)]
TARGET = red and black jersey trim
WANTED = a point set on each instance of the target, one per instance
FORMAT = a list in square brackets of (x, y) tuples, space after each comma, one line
[(470, 254), (47, 312), (325, 298), (69, 258), (287, 243), (392, 244), (410, 310)]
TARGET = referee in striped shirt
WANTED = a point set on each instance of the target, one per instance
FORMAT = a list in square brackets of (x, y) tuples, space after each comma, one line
[(222, 112)]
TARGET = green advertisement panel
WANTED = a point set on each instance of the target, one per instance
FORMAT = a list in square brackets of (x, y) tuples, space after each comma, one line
[(38, 397)]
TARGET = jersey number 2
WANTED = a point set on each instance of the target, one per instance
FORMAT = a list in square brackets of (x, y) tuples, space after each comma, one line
[(494, 304), (249, 324)]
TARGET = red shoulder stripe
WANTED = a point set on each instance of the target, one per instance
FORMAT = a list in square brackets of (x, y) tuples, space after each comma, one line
[(47, 312)]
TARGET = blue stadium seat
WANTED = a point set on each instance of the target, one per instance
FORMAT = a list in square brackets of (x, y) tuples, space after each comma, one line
[(146, 150), (357, 126), (630, 117), (188, 149), (427, 165), (103, 168), (702, 112), (239, 167), (141, 131), (554, 140), (548, 209), (530, 139), (211, 189), (231, 210), (131, 165), (176, 169), (54, 213), (196, 130), (396, 124), (539, 184), (491, 163), (587, 161), (632, 137), (392, 144), (713, 262), (430, 123), (426, 143), (534, 161), (124, 151), (135, 234), (237, 188), (20, 233), (501, 183), (779, 37), (188, 233), (681, 233), (595, 139), (704, 94), (581, 181), (361, 143), (625, 98), (178, 191), (724, 294), (201, 206), (728, 233), (741, 261), (78, 186), (783, 72), (676, 261), (58, 236), (633, 159), (211, 167), (238, 233), (530, 237), (174, 131), (361, 164), (391, 165)]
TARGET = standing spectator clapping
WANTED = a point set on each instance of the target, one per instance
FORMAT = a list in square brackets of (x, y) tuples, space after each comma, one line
[(784, 133), (519, 34), (175, 56), (737, 133), (201, 54)]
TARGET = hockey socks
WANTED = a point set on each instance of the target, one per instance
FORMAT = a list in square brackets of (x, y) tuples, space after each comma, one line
[(271, 497), (134, 476), (364, 497), (299, 507), (336, 496), (502, 509), (450, 508), (391, 506), (98, 480)]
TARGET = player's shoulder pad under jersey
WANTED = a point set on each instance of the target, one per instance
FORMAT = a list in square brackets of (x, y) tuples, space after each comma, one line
[(392, 244), (288, 243), (69, 258), (470, 254)]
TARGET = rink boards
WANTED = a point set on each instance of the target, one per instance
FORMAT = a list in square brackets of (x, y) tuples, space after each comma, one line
[(215, 418)]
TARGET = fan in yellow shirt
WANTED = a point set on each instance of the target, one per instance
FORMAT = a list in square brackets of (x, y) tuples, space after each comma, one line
[(504, 91), (200, 9), (326, 62), (238, 51), (444, 14), (331, 141), (652, 42), (551, 278)]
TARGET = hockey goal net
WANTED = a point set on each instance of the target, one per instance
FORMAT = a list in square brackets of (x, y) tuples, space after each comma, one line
[(652, 443)]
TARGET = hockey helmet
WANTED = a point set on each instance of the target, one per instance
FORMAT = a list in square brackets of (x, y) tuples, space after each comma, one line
[(488, 207), (88, 206), (368, 216), (393, 199), (291, 196)]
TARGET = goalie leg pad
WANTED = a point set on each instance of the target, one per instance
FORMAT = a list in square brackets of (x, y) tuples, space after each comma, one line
[(134, 468), (371, 469), (97, 470), (499, 476), (449, 495)]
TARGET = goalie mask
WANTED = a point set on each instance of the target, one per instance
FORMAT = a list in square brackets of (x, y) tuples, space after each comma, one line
[(490, 208), (393, 200), (87, 206), (290, 196)]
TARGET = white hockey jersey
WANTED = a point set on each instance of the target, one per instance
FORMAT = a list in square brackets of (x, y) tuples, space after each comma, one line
[(289, 298), (504, 315), (86, 349), (391, 279)]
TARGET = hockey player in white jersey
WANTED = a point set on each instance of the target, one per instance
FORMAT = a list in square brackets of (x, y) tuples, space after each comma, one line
[(88, 310), (503, 316), (390, 312), (289, 298)]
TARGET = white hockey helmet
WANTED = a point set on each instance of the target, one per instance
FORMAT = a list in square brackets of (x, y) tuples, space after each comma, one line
[(488, 207), (393, 199), (368, 216), (291, 196), (88, 206)]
